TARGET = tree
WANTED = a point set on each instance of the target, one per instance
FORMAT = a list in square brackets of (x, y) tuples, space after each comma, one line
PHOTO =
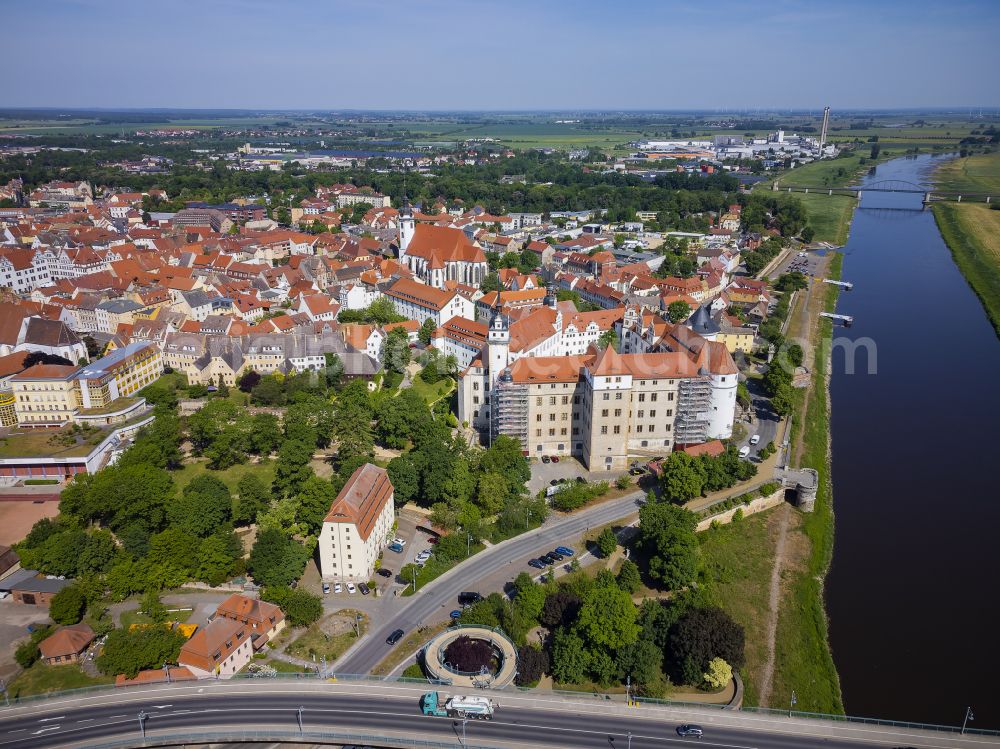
[(530, 596), (127, 495), (807, 234), (876, 150), (640, 660), (629, 578), (170, 558), (608, 338), (396, 350), (265, 434), (204, 506), (719, 674), (698, 636), (217, 557), (570, 659), (316, 495), (468, 654), (560, 609), (292, 467), (67, 605), (354, 421), (268, 392), (301, 608), (532, 664), (153, 607), (795, 355), (492, 492), (608, 618), (276, 559), (98, 552), (666, 533), (248, 380), (404, 477), (678, 311), (253, 499), (607, 542), (129, 651), (40, 357), (426, 331)]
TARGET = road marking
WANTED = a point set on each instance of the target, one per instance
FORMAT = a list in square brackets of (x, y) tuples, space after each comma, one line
[(58, 717), (85, 720), (43, 730), (17, 730), (161, 707), (115, 716)]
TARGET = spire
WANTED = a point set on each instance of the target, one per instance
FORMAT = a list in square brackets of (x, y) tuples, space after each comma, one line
[(551, 300), (406, 210), (701, 322)]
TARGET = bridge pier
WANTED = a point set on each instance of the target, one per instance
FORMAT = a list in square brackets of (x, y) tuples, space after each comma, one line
[(927, 198), (830, 192), (988, 199), (959, 198)]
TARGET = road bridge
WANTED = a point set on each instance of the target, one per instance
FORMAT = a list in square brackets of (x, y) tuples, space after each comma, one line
[(384, 714), (891, 186)]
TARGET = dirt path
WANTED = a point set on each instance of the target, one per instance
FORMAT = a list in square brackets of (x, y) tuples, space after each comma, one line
[(774, 600)]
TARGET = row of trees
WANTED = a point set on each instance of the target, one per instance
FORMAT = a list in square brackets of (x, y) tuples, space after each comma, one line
[(686, 477)]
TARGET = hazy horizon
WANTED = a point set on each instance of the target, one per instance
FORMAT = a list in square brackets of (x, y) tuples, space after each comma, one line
[(447, 56)]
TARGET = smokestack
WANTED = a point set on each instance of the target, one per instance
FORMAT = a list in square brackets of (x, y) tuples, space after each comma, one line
[(822, 132)]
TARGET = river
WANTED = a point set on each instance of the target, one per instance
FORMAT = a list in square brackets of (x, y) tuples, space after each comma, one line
[(912, 593)]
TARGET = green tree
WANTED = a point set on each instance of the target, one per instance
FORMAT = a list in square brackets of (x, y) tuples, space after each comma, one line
[(404, 477), (131, 651), (153, 607), (292, 467), (628, 578), (570, 659), (607, 542), (265, 434), (126, 576), (683, 478), (171, 561), (530, 596), (98, 552), (678, 311), (268, 392), (608, 338), (719, 674), (276, 559), (608, 618), (301, 607), (204, 506), (698, 636), (641, 660), (666, 534), (217, 557), (254, 498), (426, 331), (316, 495), (67, 606)]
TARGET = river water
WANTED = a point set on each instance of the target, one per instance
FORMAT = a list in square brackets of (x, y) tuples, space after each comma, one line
[(913, 594)]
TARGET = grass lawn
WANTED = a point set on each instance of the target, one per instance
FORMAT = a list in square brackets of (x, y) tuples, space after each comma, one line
[(134, 616), (40, 679), (434, 568), (405, 647), (829, 215), (737, 561), (282, 667), (329, 637), (42, 443), (839, 172), (972, 233), (230, 477), (431, 393), (979, 173)]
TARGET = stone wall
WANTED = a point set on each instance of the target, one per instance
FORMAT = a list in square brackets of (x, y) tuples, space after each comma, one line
[(757, 505)]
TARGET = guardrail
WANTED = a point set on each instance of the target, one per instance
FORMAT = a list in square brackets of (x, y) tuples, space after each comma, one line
[(604, 697), (332, 737)]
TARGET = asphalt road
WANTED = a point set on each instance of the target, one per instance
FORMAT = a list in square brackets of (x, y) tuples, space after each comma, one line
[(511, 555), (344, 708)]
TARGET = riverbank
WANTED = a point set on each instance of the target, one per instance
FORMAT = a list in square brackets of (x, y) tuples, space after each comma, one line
[(972, 230)]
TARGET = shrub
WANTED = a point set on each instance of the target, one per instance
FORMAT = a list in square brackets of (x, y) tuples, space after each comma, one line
[(607, 542), (623, 481), (738, 515), (469, 654), (769, 488), (532, 664), (67, 605)]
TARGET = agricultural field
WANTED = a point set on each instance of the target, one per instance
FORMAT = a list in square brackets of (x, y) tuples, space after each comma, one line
[(978, 173)]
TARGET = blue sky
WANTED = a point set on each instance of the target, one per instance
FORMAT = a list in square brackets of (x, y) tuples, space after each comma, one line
[(500, 54)]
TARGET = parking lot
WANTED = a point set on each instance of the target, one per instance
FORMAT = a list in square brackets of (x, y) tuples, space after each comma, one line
[(803, 262)]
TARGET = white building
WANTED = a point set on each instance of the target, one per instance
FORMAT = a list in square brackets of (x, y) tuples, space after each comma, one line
[(418, 301), (358, 526)]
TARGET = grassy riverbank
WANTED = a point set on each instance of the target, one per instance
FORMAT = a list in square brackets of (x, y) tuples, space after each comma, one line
[(829, 215), (972, 230), (804, 660)]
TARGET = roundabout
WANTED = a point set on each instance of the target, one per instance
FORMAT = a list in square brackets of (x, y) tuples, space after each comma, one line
[(500, 673)]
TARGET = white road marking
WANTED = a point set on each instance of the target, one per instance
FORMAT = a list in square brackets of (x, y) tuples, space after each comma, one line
[(115, 716), (43, 730), (58, 717), (17, 730), (161, 707), (85, 720)]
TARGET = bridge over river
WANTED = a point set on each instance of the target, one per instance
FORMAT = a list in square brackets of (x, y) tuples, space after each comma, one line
[(891, 186)]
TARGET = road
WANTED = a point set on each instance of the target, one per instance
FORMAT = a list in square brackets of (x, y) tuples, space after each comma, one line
[(391, 712), (510, 556)]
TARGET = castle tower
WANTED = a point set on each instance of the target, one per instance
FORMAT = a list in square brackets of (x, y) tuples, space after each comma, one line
[(498, 344), (550, 300), (701, 322), (407, 227)]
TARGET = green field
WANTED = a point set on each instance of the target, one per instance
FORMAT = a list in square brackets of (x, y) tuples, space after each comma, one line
[(972, 233), (40, 679), (230, 477), (840, 172), (979, 173), (829, 215)]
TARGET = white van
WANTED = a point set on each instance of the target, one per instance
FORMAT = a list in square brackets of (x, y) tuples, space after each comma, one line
[(744, 451)]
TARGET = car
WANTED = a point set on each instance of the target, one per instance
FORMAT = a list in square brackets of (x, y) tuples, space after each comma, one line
[(581, 480), (351, 588), (396, 548), (338, 588), (565, 551), (396, 636), (400, 541), (384, 572), (326, 588), (690, 729), (556, 555), (432, 540), (755, 439), (744, 451), (546, 459), (546, 559), (555, 458), (363, 587), (468, 597), (456, 613), (536, 563), (555, 482)]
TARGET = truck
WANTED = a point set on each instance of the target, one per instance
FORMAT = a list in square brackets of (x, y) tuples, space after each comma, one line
[(447, 706)]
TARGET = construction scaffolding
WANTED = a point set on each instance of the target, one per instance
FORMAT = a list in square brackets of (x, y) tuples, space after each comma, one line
[(510, 409), (694, 399)]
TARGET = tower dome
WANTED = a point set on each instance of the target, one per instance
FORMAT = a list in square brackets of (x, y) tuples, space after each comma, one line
[(701, 322)]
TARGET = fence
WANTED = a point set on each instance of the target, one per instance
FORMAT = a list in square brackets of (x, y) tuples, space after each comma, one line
[(330, 737)]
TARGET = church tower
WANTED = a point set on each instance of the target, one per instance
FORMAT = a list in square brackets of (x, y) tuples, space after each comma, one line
[(498, 344), (407, 227)]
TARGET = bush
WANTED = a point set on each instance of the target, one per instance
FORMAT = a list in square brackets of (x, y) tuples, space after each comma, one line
[(469, 654), (532, 664), (301, 607), (607, 542), (577, 495), (67, 605), (623, 481), (414, 670), (769, 488)]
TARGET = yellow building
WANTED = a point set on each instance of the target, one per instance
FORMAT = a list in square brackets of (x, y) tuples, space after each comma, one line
[(45, 395)]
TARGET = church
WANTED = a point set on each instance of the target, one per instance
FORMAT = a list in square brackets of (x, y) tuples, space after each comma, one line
[(438, 255)]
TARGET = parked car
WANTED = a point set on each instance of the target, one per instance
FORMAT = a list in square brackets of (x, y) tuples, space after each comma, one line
[(565, 551), (396, 548), (326, 588), (351, 588), (400, 541), (536, 563), (744, 451), (396, 636), (338, 588), (456, 613), (690, 729), (384, 572), (546, 559), (468, 597), (363, 587), (755, 439), (555, 458), (556, 555), (546, 459)]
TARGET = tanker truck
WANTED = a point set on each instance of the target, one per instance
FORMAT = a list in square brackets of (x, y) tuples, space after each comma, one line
[(448, 706)]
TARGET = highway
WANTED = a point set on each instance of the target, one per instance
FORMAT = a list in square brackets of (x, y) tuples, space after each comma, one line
[(507, 558), (392, 713)]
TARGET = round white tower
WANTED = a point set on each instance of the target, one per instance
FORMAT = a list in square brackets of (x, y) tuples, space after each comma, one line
[(722, 406), (498, 344), (407, 227)]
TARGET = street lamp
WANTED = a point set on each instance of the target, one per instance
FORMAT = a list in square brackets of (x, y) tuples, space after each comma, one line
[(142, 723), (301, 725), (791, 704), (357, 624), (166, 670), (968, 716), (464, 721), (629, 740)]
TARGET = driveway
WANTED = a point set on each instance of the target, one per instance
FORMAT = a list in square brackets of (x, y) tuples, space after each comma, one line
[(542, 474), (14, 621)]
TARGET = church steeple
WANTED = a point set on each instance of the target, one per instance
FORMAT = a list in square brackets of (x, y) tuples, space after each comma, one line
[(407, 227), (498, 342)]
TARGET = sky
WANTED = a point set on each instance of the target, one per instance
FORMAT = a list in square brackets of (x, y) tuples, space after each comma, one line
[(500, 54)]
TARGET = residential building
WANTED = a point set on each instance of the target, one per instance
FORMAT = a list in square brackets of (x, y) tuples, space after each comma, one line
[(419, 301), (265, 619), (358, 526), (218, 650), (66, 644), (22, 270)]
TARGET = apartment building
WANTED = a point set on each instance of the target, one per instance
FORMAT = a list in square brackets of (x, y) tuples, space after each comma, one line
[(217, 650), (358, 526), (418, 301)]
